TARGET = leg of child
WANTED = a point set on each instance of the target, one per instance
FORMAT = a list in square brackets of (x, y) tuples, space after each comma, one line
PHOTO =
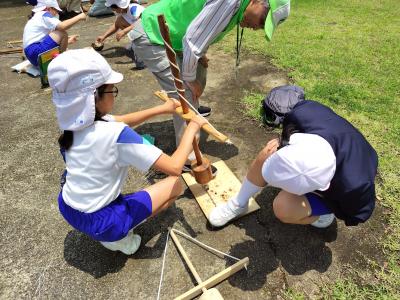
[(164, 193), (61, 38), (293, 209), (254, 180), (252, 184)]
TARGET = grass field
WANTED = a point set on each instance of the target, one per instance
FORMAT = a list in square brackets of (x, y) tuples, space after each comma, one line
[(346, 54)]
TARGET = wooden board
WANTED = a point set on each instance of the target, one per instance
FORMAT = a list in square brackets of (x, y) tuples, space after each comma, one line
[(219, 190)]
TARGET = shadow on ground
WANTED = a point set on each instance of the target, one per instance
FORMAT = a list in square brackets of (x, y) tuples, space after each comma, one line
[(42, 257)]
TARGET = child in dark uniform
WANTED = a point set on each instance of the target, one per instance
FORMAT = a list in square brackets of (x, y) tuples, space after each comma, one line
[(323, 164)]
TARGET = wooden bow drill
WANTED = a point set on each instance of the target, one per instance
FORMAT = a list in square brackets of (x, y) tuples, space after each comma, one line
[(210, 129), (201, 167)]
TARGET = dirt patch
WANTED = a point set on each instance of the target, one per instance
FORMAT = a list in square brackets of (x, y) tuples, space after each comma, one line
[(42, 256)]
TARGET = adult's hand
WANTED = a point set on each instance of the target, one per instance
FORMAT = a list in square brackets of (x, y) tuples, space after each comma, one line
[(195, 88), (204, 61)]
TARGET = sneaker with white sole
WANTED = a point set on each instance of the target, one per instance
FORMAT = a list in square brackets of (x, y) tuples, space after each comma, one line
[(128, 245), (323, 221), (224, 213)]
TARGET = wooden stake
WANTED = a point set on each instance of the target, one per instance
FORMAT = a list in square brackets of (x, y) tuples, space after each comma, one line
[(214, 280), (186, 258), (11, 50)]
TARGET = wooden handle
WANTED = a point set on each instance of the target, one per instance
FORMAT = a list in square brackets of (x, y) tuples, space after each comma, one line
[(214, 280), (177, 78), (172, 61), (186, 258), (206, 127)]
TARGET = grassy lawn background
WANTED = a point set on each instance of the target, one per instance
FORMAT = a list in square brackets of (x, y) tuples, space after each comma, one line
[(346, 54)]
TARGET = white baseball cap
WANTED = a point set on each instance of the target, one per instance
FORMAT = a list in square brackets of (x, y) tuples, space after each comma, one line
[(74, 76), (119, 3), (307, 164), (42, 4)]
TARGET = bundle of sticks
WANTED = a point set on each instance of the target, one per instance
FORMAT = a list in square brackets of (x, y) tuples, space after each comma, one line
[(11, 48)]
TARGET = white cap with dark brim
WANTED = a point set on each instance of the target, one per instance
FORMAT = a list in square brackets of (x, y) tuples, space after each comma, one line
[(74, 76), (307, 164)]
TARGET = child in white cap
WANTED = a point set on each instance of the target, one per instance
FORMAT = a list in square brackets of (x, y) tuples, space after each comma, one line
[(324, 166), (127, 15), (99, 148), (44, 31)]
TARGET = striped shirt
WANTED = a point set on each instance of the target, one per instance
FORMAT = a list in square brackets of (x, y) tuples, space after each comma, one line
[(209, 23)]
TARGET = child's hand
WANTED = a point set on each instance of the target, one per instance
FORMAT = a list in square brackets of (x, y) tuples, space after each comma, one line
[(199, 120), (271, 147), (100, 39), (119, 35), (73, 38), (204, 61), (171, 105)]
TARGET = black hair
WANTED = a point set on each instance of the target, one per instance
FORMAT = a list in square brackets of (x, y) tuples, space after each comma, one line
[(115, 6), (287, 131), (66, 139), (99, 92)]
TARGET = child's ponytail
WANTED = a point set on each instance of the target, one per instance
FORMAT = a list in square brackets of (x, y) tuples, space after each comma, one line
[(66, 139)]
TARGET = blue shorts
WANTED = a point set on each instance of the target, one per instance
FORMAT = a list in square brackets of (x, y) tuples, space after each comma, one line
[(112, 222), (318, 207), (33, 51)]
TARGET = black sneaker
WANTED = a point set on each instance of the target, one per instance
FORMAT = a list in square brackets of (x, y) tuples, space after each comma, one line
[(214, 171), (204, 111), (187, 168), (140, 65)]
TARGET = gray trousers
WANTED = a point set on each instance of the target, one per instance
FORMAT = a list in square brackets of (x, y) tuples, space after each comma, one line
[(155, 59)]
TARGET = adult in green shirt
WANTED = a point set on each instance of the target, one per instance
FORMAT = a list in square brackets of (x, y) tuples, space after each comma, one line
[(194, 25)]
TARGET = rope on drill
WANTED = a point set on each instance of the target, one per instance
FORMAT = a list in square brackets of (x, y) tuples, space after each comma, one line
[(182, 91), (211, 249), (162, 268)]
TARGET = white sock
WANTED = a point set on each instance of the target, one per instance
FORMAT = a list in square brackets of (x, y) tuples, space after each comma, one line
[(246, 191)]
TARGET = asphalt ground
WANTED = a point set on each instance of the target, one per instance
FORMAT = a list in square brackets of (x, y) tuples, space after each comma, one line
[(41, 256)]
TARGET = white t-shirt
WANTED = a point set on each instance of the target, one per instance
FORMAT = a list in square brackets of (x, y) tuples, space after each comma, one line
[(97, 164), (40, 25), (133, 13)]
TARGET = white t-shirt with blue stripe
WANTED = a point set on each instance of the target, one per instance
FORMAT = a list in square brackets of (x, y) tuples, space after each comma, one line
[(97, 164), (133, 13), (40, 25)]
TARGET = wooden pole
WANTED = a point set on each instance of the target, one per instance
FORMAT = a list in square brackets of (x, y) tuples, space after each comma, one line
[(11, 50), (186, 258), (214, 280), (206, 127), (177, 78)]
